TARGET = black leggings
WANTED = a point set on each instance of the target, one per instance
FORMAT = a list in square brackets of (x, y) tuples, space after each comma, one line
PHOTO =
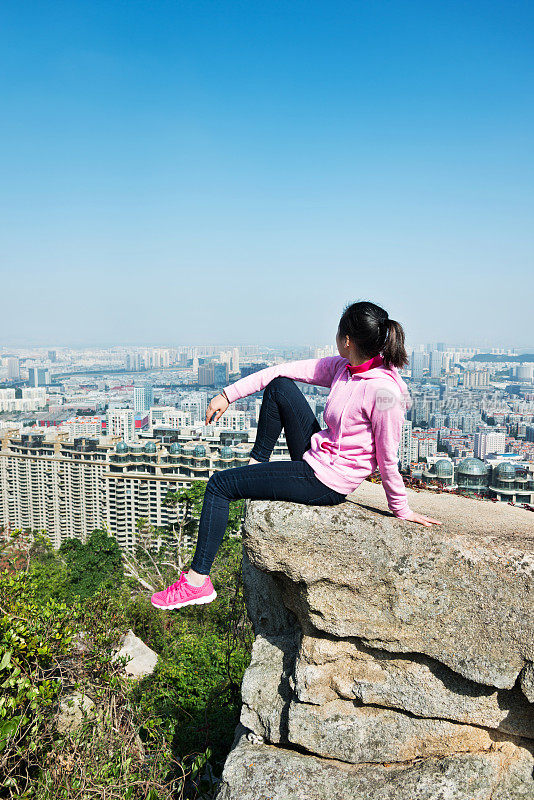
[(283, 406)]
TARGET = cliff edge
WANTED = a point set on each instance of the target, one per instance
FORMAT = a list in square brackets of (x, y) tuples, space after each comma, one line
[(391, 660)]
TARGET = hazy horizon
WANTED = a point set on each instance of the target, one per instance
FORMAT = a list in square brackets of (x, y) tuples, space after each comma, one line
[(523, 350)]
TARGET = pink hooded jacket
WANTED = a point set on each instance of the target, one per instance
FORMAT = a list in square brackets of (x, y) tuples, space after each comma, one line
[(364, 413)]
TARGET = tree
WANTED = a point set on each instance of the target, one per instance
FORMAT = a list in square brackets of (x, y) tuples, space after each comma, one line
[(160, 553), (98, 563), (188, 500)]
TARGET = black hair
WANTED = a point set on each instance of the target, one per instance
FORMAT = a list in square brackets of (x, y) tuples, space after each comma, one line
[(373, 332)]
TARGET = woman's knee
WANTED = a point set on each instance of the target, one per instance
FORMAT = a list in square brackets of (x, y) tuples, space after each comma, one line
[(217, 483), (213, 483), (279, 381)]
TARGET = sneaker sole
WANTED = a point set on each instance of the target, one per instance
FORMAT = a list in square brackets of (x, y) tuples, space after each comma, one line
[(197, 602)]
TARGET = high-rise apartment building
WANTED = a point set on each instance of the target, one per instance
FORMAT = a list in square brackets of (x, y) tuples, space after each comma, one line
[(120, 422), (405, 446), (220, 374), (13, 368), (38, 376), (418, 364), (436, 361), (156, 359), (206, 374), (478, 377), (143, 399), (135, 362), (234, 364), (70, 487), (489, 441), (49, 485), (524, 372)]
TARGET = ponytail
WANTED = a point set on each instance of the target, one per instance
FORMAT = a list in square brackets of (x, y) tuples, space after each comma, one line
[(393, 351)]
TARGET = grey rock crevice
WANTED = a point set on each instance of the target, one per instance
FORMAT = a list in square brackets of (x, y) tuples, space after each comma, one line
[(526, 741), (409, 762)]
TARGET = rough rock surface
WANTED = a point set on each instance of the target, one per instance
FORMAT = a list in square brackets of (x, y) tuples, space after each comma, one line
[(527, 680), (328, 669), (267, 772), (141, 659), (74, 709), (460, 595), (391, 661)]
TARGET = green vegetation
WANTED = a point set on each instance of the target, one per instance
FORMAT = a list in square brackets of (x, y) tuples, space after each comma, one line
[(62, 615)]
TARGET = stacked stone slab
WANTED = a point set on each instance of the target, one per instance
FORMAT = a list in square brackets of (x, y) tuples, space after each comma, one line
[(391, 660)]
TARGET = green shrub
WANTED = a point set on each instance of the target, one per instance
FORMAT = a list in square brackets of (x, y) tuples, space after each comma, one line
[(165, 737), (34, 636), (98, 563)]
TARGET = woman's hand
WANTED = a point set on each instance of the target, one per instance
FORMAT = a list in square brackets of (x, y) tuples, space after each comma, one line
[(428, 521), (217, 406)]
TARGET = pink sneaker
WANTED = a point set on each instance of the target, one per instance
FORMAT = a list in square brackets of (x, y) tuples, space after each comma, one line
[(182, 593)]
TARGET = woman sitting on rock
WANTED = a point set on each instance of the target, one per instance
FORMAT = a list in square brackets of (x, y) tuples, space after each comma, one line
[(364, 413)]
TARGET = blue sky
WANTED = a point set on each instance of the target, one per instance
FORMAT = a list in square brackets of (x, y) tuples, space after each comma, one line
[(222, 171)]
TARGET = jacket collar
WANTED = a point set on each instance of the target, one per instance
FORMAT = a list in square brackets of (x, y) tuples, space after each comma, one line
[(377, 361)]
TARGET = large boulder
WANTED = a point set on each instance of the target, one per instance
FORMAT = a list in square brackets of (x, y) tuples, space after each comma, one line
[(391, 660), (461, 592), (328, 669)]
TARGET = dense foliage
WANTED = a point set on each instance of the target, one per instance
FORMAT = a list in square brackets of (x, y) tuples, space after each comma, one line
[(62, 615)]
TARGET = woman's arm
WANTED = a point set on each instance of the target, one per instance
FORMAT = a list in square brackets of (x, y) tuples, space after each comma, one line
[(318, 371), (386, 413)]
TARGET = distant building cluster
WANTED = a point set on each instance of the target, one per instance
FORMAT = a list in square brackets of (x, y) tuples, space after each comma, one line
[(70, 486), (498, 479), (22, 399), (99, 437)]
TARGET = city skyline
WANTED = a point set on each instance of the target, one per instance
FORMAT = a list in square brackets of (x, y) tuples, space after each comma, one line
[(5, 346), (132, 424)]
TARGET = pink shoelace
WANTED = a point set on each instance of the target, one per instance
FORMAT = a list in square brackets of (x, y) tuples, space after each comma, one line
[(173, 590)]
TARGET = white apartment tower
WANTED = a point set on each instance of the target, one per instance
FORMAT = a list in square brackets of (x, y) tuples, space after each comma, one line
[(418, 364), (405, 446), (234, 364), (143, 399), (436, 362), (489, 441), (120, 422), (70, 487), (52, 485), (13, 368)]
